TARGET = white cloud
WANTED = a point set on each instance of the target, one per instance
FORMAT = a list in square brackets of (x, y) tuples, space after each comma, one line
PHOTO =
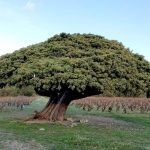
[(29, 6)]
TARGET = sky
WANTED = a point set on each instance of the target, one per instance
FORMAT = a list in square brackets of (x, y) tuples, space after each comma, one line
[(26, 22)]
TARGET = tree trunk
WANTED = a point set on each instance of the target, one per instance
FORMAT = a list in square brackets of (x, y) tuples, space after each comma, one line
[(56, 107)]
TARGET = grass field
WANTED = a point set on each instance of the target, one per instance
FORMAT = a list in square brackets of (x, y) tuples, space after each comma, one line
[(104, 131)]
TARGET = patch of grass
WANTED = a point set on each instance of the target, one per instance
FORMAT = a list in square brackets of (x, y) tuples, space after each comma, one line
[(80, 137)]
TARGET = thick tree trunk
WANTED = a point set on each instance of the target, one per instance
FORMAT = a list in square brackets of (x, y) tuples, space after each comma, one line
[(56, 108), (58, 103)]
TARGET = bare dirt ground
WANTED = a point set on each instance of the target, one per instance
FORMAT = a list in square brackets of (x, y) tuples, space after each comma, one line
[(104, 121), (99, 121), (92, 120)]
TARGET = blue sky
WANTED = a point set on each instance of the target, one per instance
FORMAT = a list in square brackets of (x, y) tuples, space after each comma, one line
[(25, 22)]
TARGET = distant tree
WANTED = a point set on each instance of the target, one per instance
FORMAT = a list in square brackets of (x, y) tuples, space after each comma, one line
[(67, 67)]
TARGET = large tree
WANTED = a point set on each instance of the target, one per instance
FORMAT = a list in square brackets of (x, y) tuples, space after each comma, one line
[(68, 67)]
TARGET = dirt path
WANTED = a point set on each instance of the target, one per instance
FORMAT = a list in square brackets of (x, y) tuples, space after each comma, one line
[(104, 121), (8, 141), (93, 120)]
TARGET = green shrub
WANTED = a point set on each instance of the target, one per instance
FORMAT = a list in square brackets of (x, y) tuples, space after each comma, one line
[(9, 91), (14, 91), (27, 91)]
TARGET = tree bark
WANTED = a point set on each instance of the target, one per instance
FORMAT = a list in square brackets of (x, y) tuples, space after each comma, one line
[(58, 103), (56, 107)]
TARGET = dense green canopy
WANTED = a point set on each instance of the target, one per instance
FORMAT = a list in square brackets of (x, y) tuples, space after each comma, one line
[(82, 63)]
